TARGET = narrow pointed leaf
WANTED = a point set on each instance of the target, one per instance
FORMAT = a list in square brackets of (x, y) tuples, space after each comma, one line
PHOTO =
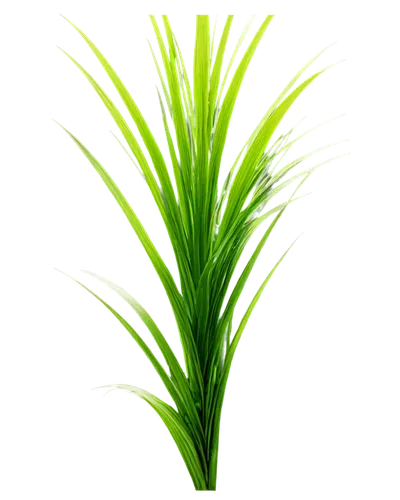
[(177, 429)]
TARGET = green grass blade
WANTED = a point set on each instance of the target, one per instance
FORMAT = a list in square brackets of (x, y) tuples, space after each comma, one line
[(216, 73), (156, 364), (171, 220), (159, 265), (201, 79), (235, 341), (244, 177), (225, 374), (207, 182), (301, 179), (253, 147), (234, 56), (177, 389), (176, 114), (164, 198), (169, 356), (177, 374), (163, 98), (168, 59), (154, 256), (234, 297), (225, 115), (178, 430), (147, 136), (129, 137), (180, 310)]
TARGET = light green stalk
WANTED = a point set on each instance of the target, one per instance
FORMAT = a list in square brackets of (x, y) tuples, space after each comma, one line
[(208, 229)]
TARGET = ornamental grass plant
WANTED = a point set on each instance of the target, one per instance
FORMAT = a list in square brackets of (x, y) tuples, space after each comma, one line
[(209, 214)]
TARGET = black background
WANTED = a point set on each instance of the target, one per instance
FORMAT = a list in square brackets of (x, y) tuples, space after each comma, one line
[(296, 421)]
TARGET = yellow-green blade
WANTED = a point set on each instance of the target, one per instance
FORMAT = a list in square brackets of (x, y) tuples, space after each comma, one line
[(158, 263), (147, 136)]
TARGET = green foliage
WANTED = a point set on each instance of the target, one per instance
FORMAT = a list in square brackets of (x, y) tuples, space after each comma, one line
[(208, 228)]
